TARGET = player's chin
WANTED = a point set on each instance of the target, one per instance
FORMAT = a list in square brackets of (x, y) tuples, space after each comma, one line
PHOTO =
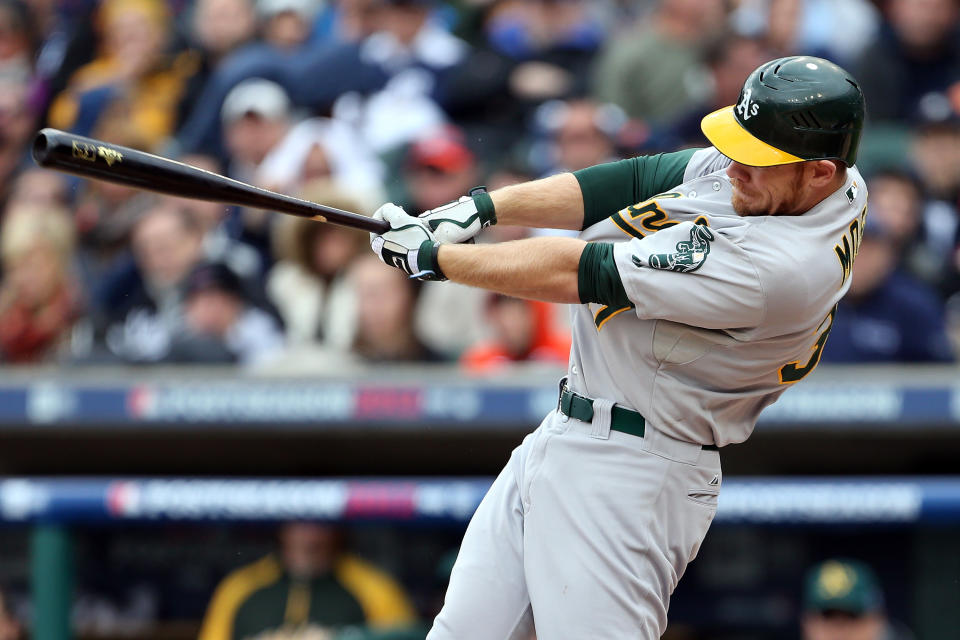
[(745, 206)]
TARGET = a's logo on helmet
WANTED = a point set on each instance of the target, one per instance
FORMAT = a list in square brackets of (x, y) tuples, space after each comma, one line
[(745, 108)]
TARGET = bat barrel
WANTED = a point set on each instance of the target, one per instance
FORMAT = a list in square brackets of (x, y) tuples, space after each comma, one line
[(89, 158)]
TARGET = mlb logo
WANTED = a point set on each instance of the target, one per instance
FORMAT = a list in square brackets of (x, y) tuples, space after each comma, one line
[(852, 192)]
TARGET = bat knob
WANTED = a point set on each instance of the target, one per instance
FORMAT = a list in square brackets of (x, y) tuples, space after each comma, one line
[(41, 146)]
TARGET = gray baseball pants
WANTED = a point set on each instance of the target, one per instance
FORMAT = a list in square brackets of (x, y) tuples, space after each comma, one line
[(585, 533)]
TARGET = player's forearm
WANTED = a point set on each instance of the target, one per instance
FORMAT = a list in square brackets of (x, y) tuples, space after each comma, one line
[(550, 203), (536, 268)]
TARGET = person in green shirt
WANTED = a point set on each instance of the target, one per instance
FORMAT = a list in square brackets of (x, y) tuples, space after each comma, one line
[(309, 586)]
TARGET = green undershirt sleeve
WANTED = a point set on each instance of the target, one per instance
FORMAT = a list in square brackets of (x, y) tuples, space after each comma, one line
[(608, 188), (597, 277)]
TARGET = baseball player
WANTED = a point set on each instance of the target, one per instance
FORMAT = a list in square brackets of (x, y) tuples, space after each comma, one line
[(703, 284)]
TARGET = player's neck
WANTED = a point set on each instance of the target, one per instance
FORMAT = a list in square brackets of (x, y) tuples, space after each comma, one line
[(818, 194)]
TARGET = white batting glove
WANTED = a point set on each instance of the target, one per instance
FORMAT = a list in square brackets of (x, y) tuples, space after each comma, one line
[(409, 245), (461, 220)]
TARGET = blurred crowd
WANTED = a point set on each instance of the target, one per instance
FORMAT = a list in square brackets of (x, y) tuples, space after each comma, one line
[(354, 102)]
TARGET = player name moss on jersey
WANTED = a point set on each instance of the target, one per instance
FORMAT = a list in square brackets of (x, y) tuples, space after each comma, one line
[(726, 311)]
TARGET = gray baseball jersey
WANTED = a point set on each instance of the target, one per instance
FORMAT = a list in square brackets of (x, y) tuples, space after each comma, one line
[(727, 311)]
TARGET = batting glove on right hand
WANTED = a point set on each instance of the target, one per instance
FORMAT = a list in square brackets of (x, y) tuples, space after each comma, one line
[(461, 220), (409, 245)]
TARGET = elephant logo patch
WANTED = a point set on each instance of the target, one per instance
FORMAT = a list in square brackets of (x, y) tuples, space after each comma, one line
[(689, 256)]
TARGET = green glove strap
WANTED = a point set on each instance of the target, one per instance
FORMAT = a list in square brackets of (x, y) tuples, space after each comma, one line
[(427, 261), (485, 209)]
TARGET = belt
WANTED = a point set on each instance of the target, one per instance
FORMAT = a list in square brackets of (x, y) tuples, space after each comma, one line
[(621, 419)]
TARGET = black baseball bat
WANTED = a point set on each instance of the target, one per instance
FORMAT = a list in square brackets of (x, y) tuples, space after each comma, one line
[(90, 158)]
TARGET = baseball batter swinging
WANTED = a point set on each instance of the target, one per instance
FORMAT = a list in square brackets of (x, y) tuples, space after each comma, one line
[(703, 284)]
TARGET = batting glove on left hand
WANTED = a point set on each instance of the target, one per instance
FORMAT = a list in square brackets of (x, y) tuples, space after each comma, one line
[(409, 245)]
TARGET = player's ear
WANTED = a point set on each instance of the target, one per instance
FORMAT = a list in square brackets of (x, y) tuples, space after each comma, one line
[(822, 172)]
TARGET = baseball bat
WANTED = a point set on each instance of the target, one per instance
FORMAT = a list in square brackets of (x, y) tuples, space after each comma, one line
[(90, 158)]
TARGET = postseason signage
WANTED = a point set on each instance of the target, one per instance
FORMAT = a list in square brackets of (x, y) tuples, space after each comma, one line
[(317, 405), (754, 501)]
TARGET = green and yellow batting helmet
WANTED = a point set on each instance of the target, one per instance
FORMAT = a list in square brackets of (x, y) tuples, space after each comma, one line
[(791, 110)]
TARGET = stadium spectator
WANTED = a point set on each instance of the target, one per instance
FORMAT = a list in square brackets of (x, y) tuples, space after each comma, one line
[(220, 27), (526, 53), (287, 24), (217, 29), (386, 300), (439, 167), (523, 332), (655, 70), (923, 230), (39, 188), (308, 283), (143, 310), (908, 67), (325, 149), (10, 627), (39, 301), (729, 64), (842, 600), (221, 227), (65, 40), (887, 315), (935, 154), (580, 133), (17, 39), (409, 51), (17, 121), (256, 116), (223, 322), (309, 587), (838, 30), (133, 83)]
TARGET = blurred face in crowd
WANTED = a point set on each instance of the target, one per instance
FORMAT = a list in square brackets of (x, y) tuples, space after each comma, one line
[(308, 549), (222, 25), (358, 18), (431, 187), (742, 56), (513, 324), (787, 189), (14, 38), (213, 312), (895, 203), (936, 156), (38, 187), (16, 121), (402, 21), (165, 245), (691, 19), (332, 248), (316, 165), (36, 273), (135, 35), (876, 259), (286, 29), (251, 136), (842, 626), (37, 244), (784, 20), (579, 141), (922, 24), (207, 214), (384, 302)]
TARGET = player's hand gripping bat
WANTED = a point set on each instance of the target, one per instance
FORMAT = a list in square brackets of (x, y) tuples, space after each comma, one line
[(89, 158)]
